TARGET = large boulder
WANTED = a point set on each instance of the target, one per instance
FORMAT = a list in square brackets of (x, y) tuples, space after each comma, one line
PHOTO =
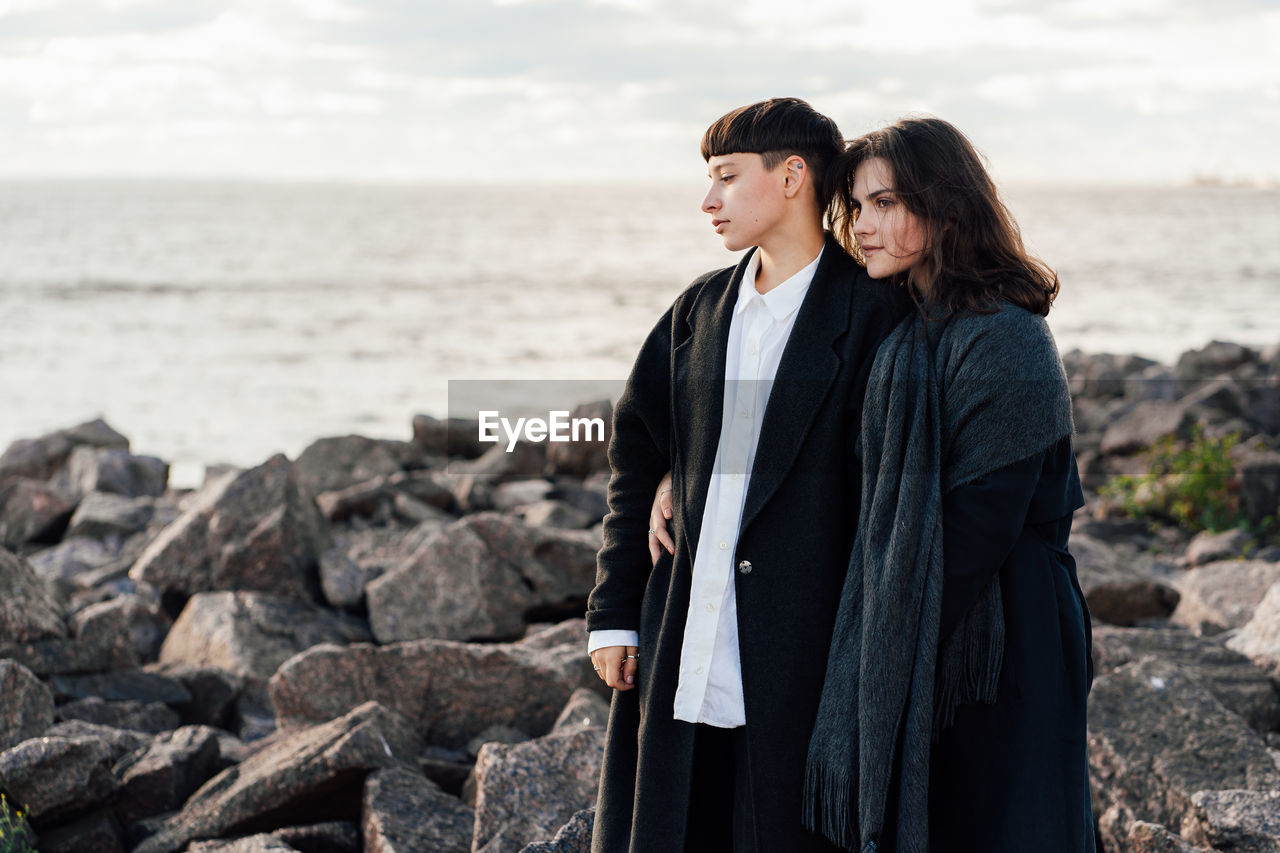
[(1259, 639), (100, 642), (330, 464), (27, 611), (1122, 584), (317, 771), (250, 634), (1230, 676), (27, 709), (1259, 483), (256, 530), (31, 511), (483, 577), (590, 451), (98, 832), (405, 813), (57, 778), (448, 437), (1221, 596), (1244, 821), (451, 691), (101, 515), (41, 458), (162, 775), (573, 837), (526, 792), (114, 470), (1156, 737), (1145, 424)]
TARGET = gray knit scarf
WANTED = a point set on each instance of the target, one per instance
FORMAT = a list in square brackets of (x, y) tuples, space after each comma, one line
[(947, 402)]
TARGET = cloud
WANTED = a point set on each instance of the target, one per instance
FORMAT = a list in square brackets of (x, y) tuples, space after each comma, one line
[(595, 88)]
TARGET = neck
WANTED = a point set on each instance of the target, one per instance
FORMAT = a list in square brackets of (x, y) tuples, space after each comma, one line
[(787, 254)]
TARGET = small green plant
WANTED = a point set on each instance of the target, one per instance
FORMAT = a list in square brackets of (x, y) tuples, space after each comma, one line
[(1192, 484), (15, 834)]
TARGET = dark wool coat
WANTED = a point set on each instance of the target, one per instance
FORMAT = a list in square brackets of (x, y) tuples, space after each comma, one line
[(793, 546)]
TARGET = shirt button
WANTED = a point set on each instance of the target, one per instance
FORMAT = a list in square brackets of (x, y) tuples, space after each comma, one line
[(698, 671), (745, 567), (751, 350), (743, 413), (724, 546), (711, 608)]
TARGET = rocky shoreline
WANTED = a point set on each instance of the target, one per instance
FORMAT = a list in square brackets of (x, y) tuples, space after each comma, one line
[(378, 646)]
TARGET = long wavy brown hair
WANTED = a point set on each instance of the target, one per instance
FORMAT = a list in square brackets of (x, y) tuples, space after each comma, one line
[(973, 256)]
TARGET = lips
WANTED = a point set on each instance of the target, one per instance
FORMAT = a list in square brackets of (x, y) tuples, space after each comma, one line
[(716, 223)]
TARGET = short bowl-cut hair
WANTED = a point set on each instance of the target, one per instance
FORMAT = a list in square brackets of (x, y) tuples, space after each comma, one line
[(776, 129)]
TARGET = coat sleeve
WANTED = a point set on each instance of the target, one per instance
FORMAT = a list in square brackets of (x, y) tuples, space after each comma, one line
[(981, 521), (639, 455)]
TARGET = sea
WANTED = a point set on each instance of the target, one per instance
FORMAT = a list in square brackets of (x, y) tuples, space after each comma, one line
[(222, 322)]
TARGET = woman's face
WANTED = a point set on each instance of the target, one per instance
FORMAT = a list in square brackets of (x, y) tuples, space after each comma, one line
[(891, 238)]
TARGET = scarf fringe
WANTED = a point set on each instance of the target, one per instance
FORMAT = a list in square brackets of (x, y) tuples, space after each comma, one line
[(829, 800), (971, 659)]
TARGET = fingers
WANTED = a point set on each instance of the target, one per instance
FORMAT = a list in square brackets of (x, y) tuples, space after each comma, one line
[(630, 663), (616, 666), (659, 536)]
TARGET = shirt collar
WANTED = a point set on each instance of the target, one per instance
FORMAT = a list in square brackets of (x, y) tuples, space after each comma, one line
[(782, 301)]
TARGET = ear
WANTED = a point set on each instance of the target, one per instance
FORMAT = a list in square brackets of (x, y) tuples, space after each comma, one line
[(795, 175)]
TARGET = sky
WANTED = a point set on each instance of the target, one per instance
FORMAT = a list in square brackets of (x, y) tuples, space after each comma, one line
[(1079, 91)]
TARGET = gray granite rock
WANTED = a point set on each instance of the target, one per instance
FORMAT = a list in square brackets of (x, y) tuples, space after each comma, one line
[(1230, 676), (479, 578), (27, 709), (1245, 821), (161, 776), (120, 685), (1156, 737), (101, 515), (554, 513), (213, 692), (452, 691), (62, 564), (99, 832), (99, 644), (257, 530), (589, 452), (119, 742), (452, 437), (32, 511), (527, 792), (1222, 596), (143, 625), (1260, 483), (263, 842), (41, 458), (1212, 547), (1145, 424), (585, 709), (58, 777), (154, 717), (116, 471), (251, 633), (1121, 584), (27, 610), (342, 579), (405, 813), (1259, 639), (573, 837), (334, 836), (307, 772), (334, 463), (1144, 837)]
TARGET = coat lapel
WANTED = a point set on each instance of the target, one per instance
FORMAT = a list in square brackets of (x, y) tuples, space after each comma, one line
[(698, 396), (808, 367)]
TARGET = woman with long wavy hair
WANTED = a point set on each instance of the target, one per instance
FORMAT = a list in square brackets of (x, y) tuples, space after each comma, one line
[(953, 713)]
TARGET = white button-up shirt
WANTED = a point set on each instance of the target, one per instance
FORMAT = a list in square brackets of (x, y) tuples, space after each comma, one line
[(710, 678)]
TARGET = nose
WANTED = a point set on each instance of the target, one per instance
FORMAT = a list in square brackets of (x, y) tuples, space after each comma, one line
[(711, 201), (862, 225)]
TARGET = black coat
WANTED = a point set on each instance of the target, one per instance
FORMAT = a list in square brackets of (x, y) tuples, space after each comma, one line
[(793, 546)]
